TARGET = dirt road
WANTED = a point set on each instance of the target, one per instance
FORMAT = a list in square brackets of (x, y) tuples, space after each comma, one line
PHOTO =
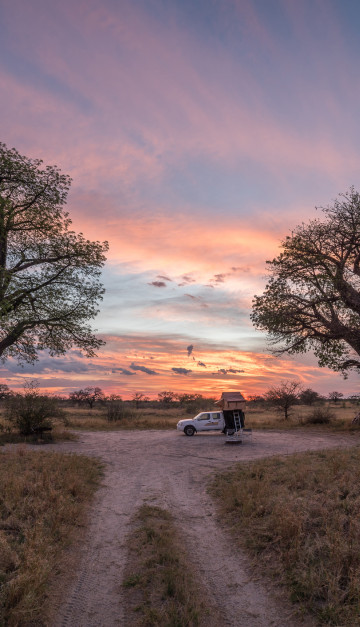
[(169, 469)]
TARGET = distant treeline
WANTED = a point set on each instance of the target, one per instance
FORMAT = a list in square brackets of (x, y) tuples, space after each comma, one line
[(91, 396)]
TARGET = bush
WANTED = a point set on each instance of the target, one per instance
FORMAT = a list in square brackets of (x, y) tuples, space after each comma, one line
[(320, 416), (31, 411), (117, 410)]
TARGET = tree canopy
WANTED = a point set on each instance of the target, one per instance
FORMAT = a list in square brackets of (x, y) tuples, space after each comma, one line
[(284, 396), (312, 300), (49, 275), (88, 395)]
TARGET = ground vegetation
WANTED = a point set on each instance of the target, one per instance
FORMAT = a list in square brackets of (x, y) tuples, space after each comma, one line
[(159, 579), (300, 518), (43, 502)]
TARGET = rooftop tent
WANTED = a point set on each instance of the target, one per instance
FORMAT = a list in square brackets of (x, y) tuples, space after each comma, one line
[(231, 401)]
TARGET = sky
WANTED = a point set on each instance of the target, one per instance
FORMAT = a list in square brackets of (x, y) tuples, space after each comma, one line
[(198, 134)]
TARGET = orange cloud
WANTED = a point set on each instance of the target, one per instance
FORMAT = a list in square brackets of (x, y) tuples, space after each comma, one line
[(178, 244), (150, 364)]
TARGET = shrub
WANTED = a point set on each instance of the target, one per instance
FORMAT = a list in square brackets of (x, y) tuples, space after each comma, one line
[(31, 411), (117, 410), (320, 416)]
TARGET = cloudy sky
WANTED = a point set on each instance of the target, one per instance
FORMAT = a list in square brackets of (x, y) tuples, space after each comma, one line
[(198, 133)]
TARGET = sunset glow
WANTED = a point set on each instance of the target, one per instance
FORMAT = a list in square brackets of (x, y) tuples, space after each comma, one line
[(197, 135)]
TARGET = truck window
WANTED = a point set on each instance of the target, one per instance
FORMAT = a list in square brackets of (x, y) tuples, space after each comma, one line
[(203, 417), (216, 416)]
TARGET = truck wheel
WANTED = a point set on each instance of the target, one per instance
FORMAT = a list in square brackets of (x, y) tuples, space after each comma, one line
[(189, 430)]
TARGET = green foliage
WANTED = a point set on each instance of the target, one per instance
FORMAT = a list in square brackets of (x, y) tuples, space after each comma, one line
[(31, 411), (312, 300), (49, 275)]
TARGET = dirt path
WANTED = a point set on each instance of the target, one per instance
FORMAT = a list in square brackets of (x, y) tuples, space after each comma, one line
[(170, 470)]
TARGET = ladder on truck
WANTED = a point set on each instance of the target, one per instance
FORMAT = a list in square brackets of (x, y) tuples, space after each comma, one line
[(235, 436)]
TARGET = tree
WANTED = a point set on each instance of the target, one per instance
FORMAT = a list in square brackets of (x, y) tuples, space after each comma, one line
[(139, 398), (255, 398), (166, 398), (284, 396), (5, 391), (335, 396), (312, 300), (32, 412), (87, 396), (49, 275), (309, 397)]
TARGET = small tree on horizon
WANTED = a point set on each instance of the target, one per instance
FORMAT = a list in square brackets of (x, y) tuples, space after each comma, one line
[(284, 396), (166, 398), (335, 396), (87, 396), (139, 398), (309, 397)]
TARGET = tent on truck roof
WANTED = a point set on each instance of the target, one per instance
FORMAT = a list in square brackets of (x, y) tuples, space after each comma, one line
[(231, 401), (232, 405)]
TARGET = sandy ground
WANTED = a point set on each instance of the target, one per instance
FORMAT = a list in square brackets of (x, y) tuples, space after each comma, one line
[(168, 469)]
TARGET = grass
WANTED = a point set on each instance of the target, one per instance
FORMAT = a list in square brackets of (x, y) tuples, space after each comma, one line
[(341, 415), (159, 582), (43, 497), (9, 433), (257, 417), (299, 517), (143, 419), (59, 434)]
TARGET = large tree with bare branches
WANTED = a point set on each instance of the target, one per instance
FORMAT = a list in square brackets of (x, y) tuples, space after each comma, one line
[(49, 275), (312, 299)]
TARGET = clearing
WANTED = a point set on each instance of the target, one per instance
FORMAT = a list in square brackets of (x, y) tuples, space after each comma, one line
[(170, 470)]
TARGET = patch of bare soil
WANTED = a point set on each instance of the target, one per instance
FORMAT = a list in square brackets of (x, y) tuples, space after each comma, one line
[(171, 470)]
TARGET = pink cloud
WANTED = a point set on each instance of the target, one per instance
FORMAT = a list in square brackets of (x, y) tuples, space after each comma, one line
[(220, 368), (144, 81)]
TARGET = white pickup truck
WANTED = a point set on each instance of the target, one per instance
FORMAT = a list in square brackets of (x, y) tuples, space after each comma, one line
[(206, 421)]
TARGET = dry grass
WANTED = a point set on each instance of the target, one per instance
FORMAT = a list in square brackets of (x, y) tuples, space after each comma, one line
[(159, 581), (258, 417), (96, 420), (42, 501), (300, 517)]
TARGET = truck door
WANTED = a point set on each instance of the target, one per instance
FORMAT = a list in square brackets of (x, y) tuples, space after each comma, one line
[(203, 421), (208, 421), (216, 420)]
